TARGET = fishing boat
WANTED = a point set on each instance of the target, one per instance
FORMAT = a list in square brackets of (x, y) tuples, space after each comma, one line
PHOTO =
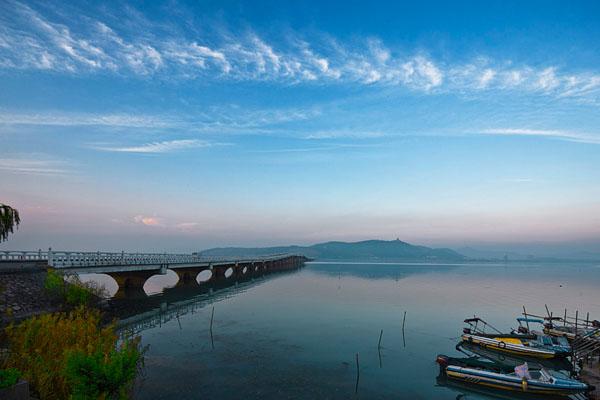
[(591, 330), (557, 364), (477, 372), (568, 327), (533, 344)]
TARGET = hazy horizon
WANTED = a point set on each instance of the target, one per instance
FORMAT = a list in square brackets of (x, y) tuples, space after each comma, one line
[(182, 126)]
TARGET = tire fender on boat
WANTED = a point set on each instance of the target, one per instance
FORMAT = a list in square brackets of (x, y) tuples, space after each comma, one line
[(501, 345)]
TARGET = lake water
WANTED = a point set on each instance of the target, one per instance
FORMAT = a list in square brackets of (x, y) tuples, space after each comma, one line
[(296, 335)]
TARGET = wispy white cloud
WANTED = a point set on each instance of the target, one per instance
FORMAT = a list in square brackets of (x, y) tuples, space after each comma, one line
[(32, 39), (160, 147), (34, 164), (165, 223), (148, 221), (220, 120), (345, 134), (557, 134), (83, 119)]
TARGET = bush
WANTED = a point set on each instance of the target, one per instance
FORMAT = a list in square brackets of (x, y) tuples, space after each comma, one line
[(55, 284), (70, 289), (53, 351), (78, 295), (9, 377), (96, 375)]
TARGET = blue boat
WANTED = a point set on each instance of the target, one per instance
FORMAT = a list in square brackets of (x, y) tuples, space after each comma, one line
[(477, 372)]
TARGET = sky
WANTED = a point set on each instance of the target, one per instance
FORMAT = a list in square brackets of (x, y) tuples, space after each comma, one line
[(177, 126)]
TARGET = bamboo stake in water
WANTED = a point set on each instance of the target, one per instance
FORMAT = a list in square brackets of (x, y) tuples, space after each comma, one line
[(212, 315), (587, 320), (403, 322), (357, 375), (526, 319), (379, 349)]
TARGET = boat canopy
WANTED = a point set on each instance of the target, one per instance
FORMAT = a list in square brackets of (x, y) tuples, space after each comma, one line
[(534, 320)]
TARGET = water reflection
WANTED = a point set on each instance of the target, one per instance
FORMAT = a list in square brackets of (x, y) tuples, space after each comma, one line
[(377, 270), (296, 335), (174, 301)]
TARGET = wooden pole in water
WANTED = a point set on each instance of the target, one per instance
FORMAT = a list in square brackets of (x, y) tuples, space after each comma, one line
[(380, 335), (587, 320), (403, 337), (357, 374), (526, 319), (212, 315)]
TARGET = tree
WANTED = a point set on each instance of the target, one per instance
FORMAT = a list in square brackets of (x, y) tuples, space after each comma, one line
[(9, 220)]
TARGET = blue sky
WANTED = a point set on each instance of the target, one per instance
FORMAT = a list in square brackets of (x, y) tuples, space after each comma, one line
[(178, 126)]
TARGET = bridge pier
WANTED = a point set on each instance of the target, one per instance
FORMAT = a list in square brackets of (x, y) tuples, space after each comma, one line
[(131, 283), (187, 276), (219, 271)]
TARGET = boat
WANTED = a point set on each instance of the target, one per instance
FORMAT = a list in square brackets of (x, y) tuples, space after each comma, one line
[(480, 373), (533, 344), (557, 364), (572, 332)]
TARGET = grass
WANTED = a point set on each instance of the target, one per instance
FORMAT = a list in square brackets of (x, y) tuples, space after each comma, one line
[(70, 355), (9, 377)]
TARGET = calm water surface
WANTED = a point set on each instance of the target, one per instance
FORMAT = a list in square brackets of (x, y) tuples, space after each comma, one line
[(295, 335)]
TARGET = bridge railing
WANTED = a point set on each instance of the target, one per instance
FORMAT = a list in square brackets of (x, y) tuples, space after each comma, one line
[(23, 255), (68, 259)]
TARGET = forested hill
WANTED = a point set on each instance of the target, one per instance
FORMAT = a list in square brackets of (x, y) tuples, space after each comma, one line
[(371, 250)]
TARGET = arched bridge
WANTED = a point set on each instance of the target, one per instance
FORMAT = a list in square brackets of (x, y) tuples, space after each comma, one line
[(131, 270)]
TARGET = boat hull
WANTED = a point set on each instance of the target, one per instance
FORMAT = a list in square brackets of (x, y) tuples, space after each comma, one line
[(503, 382), (512, 348)]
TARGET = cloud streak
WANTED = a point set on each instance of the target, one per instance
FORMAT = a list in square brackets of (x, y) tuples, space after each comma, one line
[(221, 120), (548, 133), (34, 164), (161, 147), (30, 39)]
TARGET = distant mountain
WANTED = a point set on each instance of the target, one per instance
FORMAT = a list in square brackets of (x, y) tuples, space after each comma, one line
[(368, 250)]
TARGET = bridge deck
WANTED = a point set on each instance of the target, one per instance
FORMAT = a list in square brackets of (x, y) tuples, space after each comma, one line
[(100, 262)]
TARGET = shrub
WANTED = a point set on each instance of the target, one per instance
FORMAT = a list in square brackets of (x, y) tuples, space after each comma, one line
[(96, 375), (52, 350), (77, 295), (9, 377), (70, 289), (55, 284)]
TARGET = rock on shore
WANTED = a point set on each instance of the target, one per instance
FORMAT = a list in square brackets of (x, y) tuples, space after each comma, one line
[(23, 295)]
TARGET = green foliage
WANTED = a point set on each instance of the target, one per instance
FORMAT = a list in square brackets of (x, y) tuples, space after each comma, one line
[(9, 220), (77, 295), (71, 289), (58, 352), (9, 377), (100, 376), (55, 284)]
